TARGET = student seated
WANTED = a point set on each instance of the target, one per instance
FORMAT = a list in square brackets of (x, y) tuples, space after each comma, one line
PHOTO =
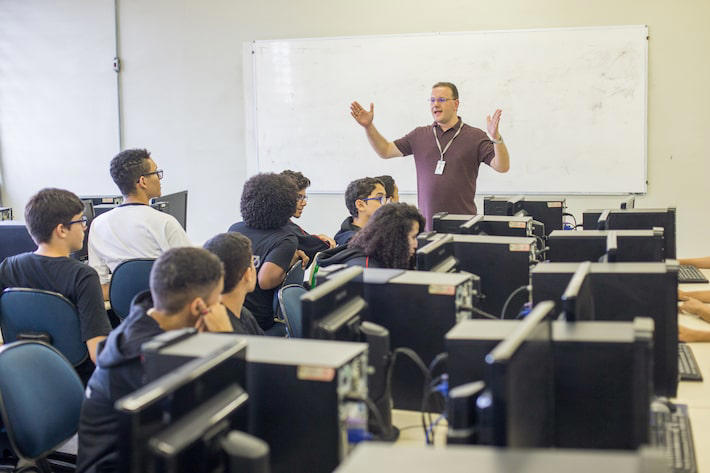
[(268, 202), (388, 241), (362, 198), (309, 244), (234, 250), (185, 287), (55, 220), (133, 229), (391, 189)]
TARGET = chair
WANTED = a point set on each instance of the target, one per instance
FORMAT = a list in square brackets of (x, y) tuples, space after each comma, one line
[(130, 277), (40, 400), (290, 308), (45, 316), (294, 275)]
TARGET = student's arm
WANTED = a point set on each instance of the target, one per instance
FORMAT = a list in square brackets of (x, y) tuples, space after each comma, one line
[(501, 160), (702, 296), (214, 319), (695, 307), (702, 263), (91, 345), (100, 267), (384, 149), (270, 275), (104, 291), (690, 335), (277, 262), (93, 321)]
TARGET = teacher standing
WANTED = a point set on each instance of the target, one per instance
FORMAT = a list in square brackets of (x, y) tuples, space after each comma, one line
[(447, 154)]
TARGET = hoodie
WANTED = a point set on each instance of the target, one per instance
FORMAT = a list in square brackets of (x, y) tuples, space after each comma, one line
[(118, 373), (347, 256), (347, 230)]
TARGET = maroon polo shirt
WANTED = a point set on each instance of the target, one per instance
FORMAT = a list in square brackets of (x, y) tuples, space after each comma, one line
[(454, 190)]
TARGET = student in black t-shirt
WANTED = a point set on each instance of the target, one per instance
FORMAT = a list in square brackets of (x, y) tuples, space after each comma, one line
[(54, 218), (268, 201), (185, 287), (239, 279), (310, 244)]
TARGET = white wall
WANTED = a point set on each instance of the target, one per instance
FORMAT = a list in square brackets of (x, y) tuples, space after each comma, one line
[(183, 91)]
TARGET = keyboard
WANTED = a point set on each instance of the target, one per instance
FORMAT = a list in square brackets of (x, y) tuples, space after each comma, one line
[(671, 432), (688, 368), (690, 274)]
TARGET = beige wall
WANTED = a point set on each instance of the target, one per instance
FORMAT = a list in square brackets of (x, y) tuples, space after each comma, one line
[(183, 88)]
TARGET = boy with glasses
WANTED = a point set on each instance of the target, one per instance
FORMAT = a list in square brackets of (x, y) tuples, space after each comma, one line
[(133, 229), (55, 220), (362, 198)]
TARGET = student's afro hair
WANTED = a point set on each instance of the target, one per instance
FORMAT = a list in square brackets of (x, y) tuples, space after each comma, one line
[(268, 201), (385, 235)]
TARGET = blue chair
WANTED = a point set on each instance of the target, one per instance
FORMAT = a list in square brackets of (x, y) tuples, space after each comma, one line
[(40, 400), (294, 275), (290, 308), (130, 278), (46, 316)]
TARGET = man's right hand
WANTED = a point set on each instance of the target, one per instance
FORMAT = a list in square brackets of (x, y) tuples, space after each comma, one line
[(362, 116)]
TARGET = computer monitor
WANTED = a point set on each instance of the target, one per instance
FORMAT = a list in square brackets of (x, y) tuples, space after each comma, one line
[(637, 219), (173, 204), (517, 407), (591, 245), (204, 385), (103, 199), (14, 239), (549, 212), (83, 253), (578, 298), (438, 256)]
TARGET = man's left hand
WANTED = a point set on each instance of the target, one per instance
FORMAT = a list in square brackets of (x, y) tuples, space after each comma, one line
[(492, 124)]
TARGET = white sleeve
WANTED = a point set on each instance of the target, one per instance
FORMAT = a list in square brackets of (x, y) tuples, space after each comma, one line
[(96, 262), (175, 235)]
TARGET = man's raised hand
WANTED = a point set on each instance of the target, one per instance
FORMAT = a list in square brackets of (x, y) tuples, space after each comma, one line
[(492, 124), (362, 116)]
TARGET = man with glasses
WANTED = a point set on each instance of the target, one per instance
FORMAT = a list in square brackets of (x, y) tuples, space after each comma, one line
[(55, 220), (362, 198), (133, 229), (447, 154)]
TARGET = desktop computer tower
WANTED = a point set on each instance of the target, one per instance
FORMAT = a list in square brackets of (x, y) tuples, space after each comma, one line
[(548, 212), (591, 245), (502, 263), (499, 225), (297, 394), (602, 376), (623, 291)]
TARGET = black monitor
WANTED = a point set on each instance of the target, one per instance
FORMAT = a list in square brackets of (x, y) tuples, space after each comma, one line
[(103, 199), (14, 239), (517, 407), (173, 204), (549, 212), (592, 245), (172, 409), (637, 219), (438, 256), (83, 253), (578, 298)]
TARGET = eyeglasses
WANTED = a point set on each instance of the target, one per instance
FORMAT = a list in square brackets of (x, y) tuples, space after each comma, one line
[(381, 199), (439, 99), (83, 220), (157, 172), (303, 197)]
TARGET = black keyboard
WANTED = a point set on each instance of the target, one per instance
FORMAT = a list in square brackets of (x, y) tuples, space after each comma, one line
[(690, 274), (688, 368), (671, 431)]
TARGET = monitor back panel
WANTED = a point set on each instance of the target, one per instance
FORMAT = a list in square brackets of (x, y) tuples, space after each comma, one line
[(590, 245), (638, 219), (14, 239)]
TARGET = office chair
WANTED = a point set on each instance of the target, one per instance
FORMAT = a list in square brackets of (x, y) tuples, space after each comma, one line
[(290, 308), (40, 400), (293, 276), (34, 314), (130, 277)]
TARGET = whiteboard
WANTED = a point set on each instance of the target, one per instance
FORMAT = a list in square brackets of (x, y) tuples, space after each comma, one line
[(573, 101)]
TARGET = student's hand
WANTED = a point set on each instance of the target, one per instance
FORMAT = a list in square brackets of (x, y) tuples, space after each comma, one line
[(214, 319), (692, 306), (328, 240), (492, 124), (362, 116), (303, 257), (682, 295), (690, 335)]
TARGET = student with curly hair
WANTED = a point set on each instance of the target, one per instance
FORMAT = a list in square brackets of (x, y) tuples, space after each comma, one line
[(268, 202), (388, 241), (310, 244), (362, 198)]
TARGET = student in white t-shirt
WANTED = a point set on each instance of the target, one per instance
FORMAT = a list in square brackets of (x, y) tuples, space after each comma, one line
[(134, 229)]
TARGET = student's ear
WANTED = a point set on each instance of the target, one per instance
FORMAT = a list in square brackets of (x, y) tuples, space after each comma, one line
[(359, 205), (198, 307), (60, 231)]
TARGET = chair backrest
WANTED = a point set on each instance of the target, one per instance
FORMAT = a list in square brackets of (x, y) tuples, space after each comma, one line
[(290, 304), (294, 275), (40, 398), (130, 277), (26, 313)]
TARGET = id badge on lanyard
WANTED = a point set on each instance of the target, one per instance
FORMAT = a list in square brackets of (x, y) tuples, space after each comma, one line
[(441, 163)]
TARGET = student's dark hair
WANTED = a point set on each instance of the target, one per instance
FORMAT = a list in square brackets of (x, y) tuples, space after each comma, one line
[(388, 182), (268, 201), (49, 208), (301, 181), (234, 250), (359, 189), (127, 167), (385, 235), (181, 274), (454, 90)]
